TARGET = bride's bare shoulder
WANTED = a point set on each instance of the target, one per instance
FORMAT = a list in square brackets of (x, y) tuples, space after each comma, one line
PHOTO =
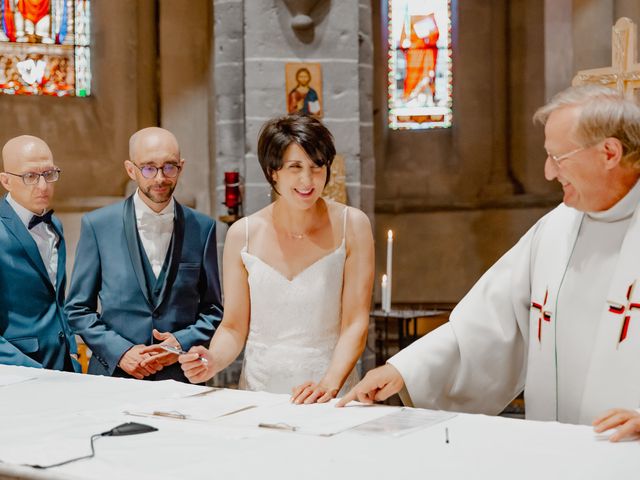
[(356, 218)]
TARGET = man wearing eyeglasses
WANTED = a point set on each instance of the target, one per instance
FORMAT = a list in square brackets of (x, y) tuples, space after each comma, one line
[(33, 328), (152, 263), (559, 314)]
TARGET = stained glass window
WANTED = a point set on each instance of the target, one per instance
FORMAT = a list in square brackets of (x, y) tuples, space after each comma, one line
[(44, 47), (420, 63)]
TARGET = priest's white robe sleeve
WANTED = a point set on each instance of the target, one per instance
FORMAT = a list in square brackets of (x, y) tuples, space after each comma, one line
[(477, 361)]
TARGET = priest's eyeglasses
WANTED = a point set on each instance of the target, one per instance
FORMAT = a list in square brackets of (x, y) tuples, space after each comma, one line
[(33, 178), (558, 159), (169, 170)]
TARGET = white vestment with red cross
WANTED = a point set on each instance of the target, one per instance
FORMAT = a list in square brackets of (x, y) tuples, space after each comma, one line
[(503, 333)]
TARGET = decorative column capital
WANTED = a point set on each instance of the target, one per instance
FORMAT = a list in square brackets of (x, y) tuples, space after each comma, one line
[(301, 13)]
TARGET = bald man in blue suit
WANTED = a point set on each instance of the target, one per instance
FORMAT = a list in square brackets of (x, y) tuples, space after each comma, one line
[(153, 265), (33, 327)]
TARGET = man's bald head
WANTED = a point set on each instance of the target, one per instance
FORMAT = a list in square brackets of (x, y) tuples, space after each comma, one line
[(24, 148), (154, 138), (22, 155), (156, 150)]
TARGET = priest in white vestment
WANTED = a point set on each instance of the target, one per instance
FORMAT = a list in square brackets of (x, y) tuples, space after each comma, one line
[(559, 314)]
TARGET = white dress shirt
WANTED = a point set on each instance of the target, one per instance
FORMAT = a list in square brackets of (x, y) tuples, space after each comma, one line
[(155, 230), (45, 237)]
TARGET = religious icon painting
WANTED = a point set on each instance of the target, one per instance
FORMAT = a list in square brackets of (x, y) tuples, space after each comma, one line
[(303, 83), (44, 47), (420, 64)]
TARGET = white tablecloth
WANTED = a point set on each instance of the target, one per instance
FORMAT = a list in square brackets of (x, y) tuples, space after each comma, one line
[(51, 417)]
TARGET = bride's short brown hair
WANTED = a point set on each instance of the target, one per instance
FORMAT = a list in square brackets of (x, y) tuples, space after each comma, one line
[(306, 131)]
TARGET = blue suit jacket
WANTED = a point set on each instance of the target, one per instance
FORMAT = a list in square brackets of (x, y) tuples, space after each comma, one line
[(108, 267), (33, 327)]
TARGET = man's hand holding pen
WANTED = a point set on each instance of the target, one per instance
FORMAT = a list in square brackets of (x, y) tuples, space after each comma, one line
[(161, 354)]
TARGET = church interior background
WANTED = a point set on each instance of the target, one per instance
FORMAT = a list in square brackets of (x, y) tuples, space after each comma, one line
[(430, 103)]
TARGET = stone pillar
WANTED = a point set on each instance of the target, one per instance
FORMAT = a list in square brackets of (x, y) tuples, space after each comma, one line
[(185, 82), (558, 65), (592, 22), (228, 61), (367, 180), (270, 43)]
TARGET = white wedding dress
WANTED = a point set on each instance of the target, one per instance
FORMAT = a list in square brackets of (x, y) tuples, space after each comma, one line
[(295, 324)]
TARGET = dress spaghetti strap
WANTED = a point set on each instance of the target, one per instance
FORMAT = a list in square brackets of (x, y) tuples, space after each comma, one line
[(344, 224), (246, 234)]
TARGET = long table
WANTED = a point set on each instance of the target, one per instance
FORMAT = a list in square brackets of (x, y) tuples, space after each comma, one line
[(52, 415)]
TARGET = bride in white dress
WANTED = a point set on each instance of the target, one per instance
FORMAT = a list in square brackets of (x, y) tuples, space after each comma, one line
[(297, 277)]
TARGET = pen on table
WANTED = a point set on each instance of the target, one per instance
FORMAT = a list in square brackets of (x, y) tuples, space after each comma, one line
[(178, 415), (179, 351), (446, 435), (278, 426)]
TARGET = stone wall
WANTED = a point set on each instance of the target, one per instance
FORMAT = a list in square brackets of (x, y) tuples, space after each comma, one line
[(151, 65), (186, 84), (459, 198), (88, 136)]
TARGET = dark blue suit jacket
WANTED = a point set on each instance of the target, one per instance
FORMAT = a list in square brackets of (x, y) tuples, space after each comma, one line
[(108, 266), (33, 327)]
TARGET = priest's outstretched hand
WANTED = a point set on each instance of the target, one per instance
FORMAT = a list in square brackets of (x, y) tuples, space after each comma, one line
[(626, 422), (377, 385)]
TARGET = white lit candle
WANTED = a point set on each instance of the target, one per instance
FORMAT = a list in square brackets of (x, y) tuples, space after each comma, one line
[(389, 265), (383, 296)]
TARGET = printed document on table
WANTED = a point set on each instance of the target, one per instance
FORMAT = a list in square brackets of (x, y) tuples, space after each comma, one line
[(404, 421), (206, 406), (315, 419)]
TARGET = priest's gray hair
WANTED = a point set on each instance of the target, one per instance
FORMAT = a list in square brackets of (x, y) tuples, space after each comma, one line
[(604, 113)]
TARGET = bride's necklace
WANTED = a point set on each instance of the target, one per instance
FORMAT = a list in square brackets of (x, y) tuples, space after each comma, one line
[(293, 235)]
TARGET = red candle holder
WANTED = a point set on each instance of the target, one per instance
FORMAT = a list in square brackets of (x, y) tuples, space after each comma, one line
[(232, 197)]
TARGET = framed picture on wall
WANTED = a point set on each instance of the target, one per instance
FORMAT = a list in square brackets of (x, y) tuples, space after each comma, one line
[(303, 83)]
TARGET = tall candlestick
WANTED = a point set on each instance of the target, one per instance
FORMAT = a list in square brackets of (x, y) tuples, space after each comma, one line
[(389, 265), (383, 296)]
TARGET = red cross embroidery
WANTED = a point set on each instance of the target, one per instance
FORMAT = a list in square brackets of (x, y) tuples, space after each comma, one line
[(544, 314), (620, 309)]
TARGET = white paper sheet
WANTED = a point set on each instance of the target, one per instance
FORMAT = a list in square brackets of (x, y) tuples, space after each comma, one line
[(206, 406), (405, 421), (316, 419)]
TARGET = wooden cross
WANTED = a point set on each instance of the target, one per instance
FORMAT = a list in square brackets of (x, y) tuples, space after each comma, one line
[(624, 74)]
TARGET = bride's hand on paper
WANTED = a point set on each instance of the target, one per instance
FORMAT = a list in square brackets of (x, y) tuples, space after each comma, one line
[(311, 392), (197, 364), (626, 422)]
